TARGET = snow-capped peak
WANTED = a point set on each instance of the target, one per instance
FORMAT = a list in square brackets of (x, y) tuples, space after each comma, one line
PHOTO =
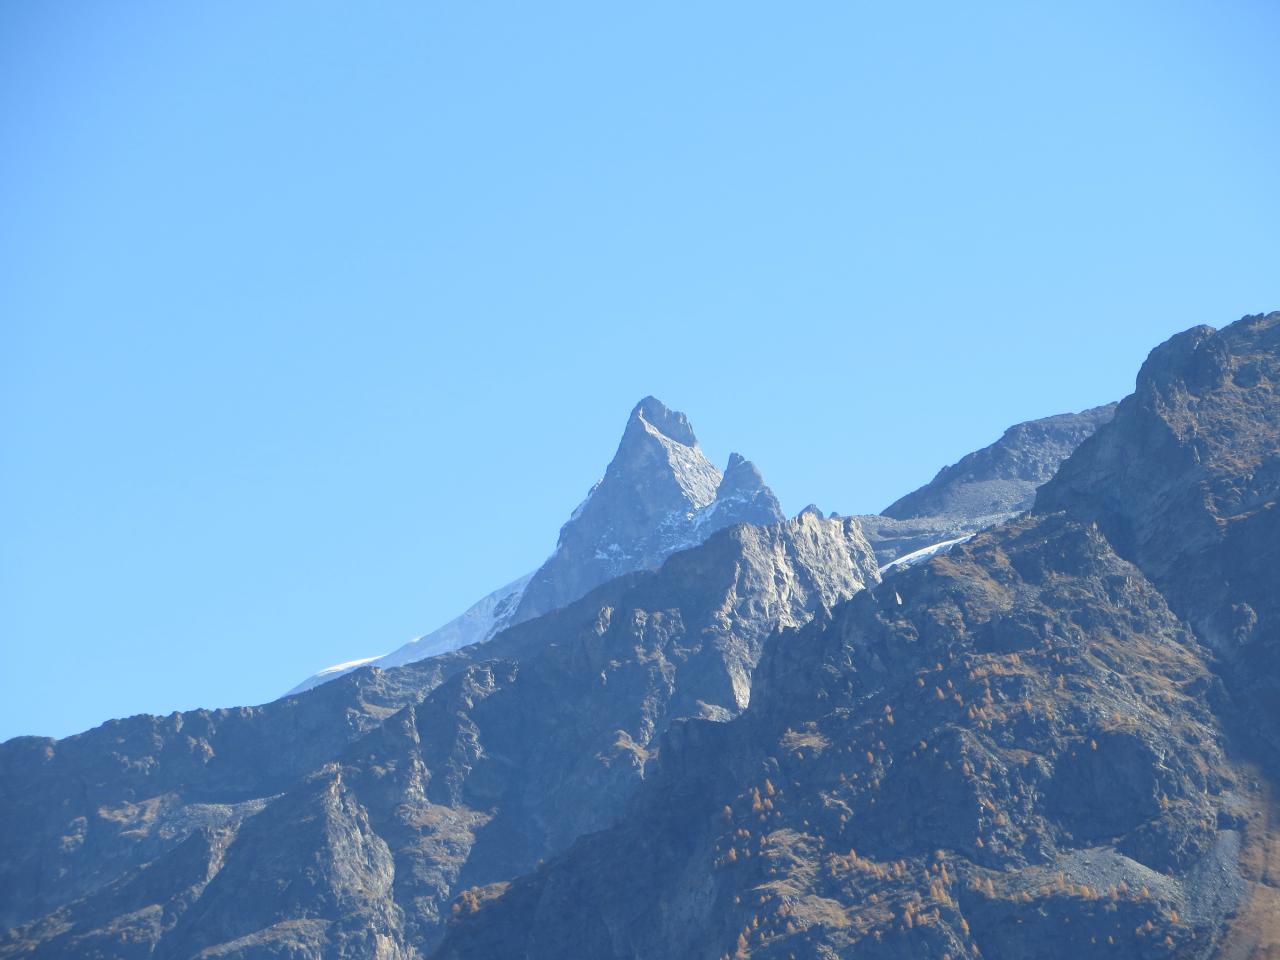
[(658, 495)]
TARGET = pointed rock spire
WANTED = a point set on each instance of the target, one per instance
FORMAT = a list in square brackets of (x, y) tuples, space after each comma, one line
[(658, 468), (741, 476), (742, 497), (659, 494), (670, 423)]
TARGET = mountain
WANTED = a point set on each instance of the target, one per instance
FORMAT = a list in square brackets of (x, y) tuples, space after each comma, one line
[(1185, 485), (658, 495), (344, 821), (984, 488), (478, 623), (1002, 479), (1057, 739), (1052, 734)]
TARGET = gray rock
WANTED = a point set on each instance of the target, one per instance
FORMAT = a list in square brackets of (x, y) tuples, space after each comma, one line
[(343, 822), (986, 487), (1185, 482), (658, 495), (1055, 740), (1002, 747), (1002, 478)]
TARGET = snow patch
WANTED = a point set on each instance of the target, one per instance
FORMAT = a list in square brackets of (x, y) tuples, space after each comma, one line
[(480, 622), (917, 557), (345, 667)]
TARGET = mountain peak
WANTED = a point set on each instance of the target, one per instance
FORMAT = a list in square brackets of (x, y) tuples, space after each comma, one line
[(659, 461), (659, 494), (1002, 478), (740, 474), (672, 424)]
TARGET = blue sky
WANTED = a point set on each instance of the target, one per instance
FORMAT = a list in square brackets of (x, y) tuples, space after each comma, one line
[(319, 318)]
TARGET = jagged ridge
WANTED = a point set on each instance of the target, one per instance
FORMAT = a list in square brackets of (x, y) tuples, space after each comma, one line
[(204, 833), (1022, 747), (658, 495)]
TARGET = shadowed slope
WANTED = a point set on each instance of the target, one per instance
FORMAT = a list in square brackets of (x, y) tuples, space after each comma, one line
[(1018, 748), (356, 846)]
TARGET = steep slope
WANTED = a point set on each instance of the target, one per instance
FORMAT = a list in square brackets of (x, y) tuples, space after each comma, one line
[(1016, 748), (1003, 478), (1185, 484), (177, 840), (478, 623), (984, 488), (658, 495), (81, 813), (1056, 738), (913, 779)]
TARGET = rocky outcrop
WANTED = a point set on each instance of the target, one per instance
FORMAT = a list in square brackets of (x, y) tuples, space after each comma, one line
[(1004, 750), (1054, 740), (983, 489), (344, 822), (658, 495), (80, 814), (1186, 480), (1003, 478)]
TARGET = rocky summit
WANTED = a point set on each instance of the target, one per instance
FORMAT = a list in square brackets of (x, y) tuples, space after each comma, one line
[(1029, 711), (345, 821), (1054, 740), (987, 487), (658, 495)]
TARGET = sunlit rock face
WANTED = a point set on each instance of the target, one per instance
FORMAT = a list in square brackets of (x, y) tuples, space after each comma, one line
[(1057, 739), (987, 487), (658, 495), (1054, 738), (347, 821)]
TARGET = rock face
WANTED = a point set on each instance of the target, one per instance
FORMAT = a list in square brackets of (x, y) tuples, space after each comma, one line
[(343, 822), (1003, 478), (1185, 485), (1055, 740), (658, 495), (82, 818), (986, 487), (1001, 748), (478, 623)]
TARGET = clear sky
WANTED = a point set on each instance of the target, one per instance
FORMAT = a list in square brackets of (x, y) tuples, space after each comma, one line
[(318, 319)]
